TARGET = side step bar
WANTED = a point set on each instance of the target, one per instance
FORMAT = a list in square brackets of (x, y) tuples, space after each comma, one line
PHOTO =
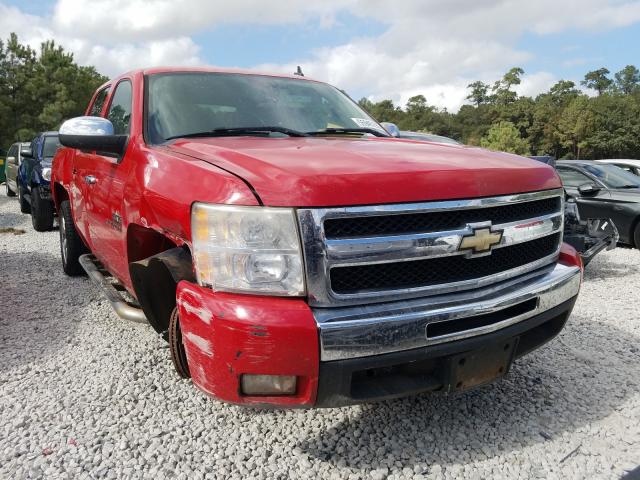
[(100, 276)]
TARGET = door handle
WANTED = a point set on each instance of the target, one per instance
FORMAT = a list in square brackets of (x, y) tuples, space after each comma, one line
[(90, 179)]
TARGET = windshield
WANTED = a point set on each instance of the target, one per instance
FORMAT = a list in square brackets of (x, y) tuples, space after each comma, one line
[(51, 144), (188, 103), (612, 176)]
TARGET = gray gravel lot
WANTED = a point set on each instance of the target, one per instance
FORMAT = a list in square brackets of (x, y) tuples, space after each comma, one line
[(84, 394)]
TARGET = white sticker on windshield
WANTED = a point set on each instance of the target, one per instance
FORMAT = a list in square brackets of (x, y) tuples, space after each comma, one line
[(366, 123)]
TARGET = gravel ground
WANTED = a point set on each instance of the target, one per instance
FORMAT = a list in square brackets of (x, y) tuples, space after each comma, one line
[(84, 394)]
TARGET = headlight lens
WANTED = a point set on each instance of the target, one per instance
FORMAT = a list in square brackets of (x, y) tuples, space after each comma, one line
[(247, 249), (46, 173)]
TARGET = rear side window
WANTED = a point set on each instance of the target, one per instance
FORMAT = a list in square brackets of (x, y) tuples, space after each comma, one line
[(98, 103), (120, 109), (51, 145), (573, 178)]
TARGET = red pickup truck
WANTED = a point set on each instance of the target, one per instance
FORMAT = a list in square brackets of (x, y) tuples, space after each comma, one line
[(293, 253)]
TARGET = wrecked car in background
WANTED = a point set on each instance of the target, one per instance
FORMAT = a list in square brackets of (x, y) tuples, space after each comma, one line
[(589, 237)]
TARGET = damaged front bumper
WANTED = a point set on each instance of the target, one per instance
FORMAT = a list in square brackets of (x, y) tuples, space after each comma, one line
[(589, 237), (349, 355)]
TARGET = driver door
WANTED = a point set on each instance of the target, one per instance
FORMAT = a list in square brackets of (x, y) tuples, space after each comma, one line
[(595, 205), (105, 186)]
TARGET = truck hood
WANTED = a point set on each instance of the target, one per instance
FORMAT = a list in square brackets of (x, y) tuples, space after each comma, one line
[(335, 171)]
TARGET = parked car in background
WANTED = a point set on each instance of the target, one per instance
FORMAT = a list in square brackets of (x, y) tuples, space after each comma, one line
[(3, 175), (12, 162), (34, 175), (294, 254), (628, 164), (394, 131), (427, 137), (605, 191), (588, 236)]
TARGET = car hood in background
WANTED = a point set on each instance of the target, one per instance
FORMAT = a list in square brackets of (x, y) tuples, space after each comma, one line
[(334, 171)]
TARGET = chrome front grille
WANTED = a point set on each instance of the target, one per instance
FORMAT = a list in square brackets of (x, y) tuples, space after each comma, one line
[(371, 254)]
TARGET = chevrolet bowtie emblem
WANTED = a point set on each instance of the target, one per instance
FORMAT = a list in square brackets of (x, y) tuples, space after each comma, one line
[(481, 240)]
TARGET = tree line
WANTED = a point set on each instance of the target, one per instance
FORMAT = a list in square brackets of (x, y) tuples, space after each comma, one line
[(40, 89), (564, 121)]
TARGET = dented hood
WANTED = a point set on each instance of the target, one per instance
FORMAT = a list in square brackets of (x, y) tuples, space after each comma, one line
[(334, 171)]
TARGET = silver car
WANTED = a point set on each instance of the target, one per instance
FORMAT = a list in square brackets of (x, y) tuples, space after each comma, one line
[(628, 164), (13, 161)]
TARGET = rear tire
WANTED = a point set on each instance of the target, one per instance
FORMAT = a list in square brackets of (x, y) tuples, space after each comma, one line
[(71, 246), (178, 353), (10, 193), (41, 211), (24, 205)]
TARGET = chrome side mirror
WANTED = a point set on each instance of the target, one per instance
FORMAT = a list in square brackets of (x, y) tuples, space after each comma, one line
[(392, 128), (92, 133)]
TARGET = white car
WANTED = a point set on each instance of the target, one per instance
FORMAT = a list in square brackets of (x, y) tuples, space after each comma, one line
[(628, 164)]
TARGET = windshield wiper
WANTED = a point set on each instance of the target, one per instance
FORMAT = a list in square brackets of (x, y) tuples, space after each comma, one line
[(630, 185), (347, 131), (223, 132)]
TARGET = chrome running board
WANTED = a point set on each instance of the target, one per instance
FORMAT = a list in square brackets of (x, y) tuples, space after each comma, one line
[(123, 308)]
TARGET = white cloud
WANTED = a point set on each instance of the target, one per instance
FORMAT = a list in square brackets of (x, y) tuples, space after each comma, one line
[(433, 47)]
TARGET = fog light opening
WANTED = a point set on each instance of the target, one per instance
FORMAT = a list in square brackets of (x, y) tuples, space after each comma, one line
[(268, 384)]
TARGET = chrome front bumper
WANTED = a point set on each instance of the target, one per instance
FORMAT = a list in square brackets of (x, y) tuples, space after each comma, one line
[(351, 332)]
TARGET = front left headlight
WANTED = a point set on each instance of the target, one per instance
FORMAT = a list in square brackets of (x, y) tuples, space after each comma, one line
[(247, 249), (46, 174)]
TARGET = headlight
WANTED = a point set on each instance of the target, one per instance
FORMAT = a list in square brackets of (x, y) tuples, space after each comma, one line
[(46, 174), (247, 249)]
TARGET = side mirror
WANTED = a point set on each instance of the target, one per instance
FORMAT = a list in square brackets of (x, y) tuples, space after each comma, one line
[(588, 189), (92, 133), (26, 152), (392, 128)]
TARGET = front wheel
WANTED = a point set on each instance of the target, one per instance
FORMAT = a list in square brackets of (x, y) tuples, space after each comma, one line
[(24, 205), (41, 211), (71, 246), (178, 353)]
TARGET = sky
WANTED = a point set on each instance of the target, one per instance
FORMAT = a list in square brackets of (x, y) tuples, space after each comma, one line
[(377, 49)]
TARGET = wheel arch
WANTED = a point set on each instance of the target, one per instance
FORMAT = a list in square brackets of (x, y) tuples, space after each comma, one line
[(632, 234), (156, 265), (59, 194)]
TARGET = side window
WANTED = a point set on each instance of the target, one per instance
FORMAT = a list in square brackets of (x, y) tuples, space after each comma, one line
[(12, 151), (573, 178), (120, 108), (98, 103)]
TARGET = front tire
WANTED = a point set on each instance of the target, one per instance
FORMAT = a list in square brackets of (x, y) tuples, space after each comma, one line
[(10, 193), (178, 353), (71, 246), (41, 211), (24, 205)]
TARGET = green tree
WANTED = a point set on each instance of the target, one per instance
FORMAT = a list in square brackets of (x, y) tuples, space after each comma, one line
[(575, 126), (38, 90), (505, 137), (598, 80), (479, 93), (628, 80), (502, 89)]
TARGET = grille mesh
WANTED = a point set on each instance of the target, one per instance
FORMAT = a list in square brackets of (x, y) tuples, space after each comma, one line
[(442, 270), (376, 225)]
